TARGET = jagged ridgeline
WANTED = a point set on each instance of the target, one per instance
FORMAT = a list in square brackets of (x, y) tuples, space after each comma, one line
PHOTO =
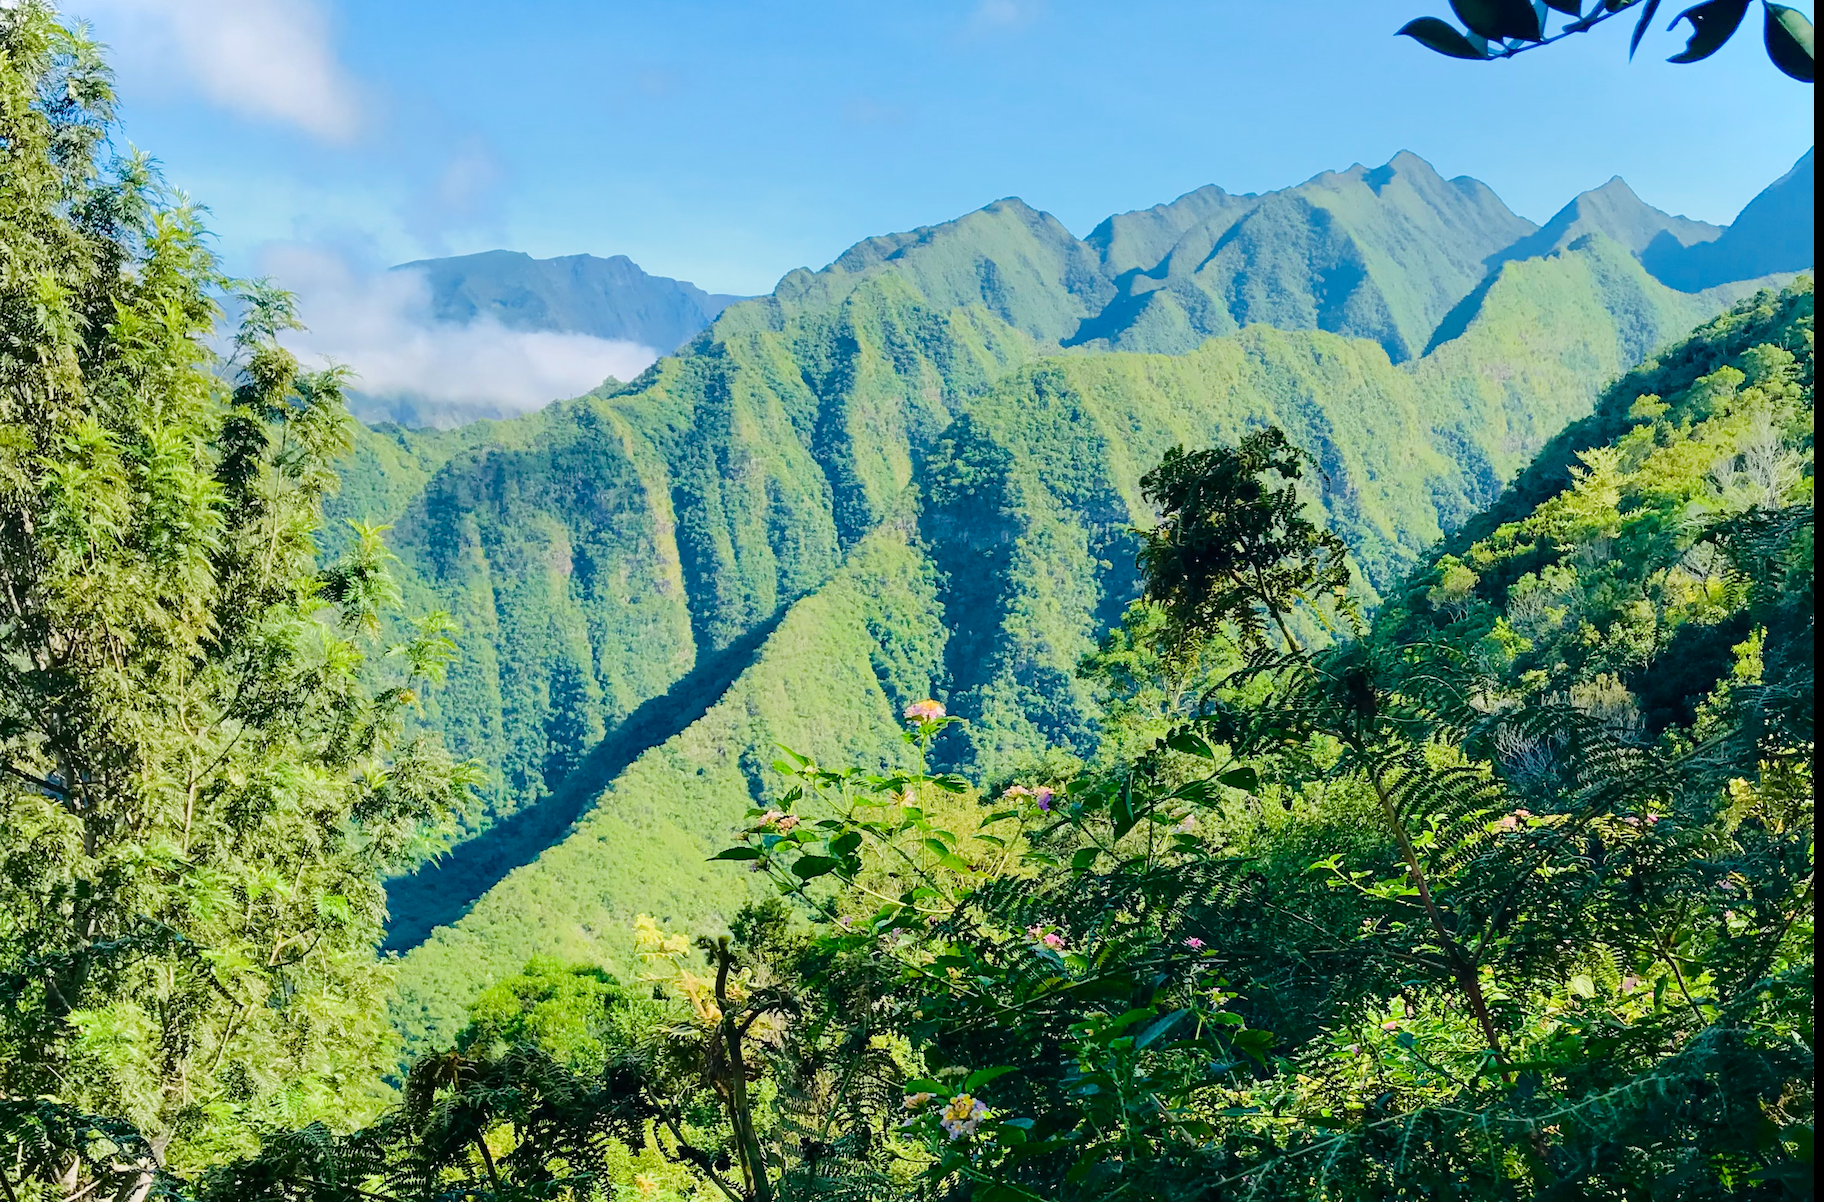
[(913, 473)]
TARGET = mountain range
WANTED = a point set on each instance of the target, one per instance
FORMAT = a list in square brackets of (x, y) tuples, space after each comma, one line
[(608, 298), (915, 473)]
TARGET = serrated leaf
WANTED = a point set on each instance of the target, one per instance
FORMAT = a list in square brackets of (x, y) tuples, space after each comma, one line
[(1713, 23), (1790, 41), (738, 853), (1441, 36)]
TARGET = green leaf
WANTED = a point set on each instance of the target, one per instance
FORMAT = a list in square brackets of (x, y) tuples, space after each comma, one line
[(1582, 986), (1440, 36), (1185, 739), (1158, 1028), (809, 867), (738, 853), (1253, 1042), (982, 1076), (938, 848), (1497, 19), (951, 783), (1789, 42), (843, 844), (1121, 812), (1713, 23), (1245, 779)]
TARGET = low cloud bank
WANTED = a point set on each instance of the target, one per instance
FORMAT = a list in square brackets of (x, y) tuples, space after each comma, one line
[(417, 371)]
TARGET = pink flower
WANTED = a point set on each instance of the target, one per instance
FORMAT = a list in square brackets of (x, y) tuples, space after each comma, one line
[(1035, 931), (785, 823), (1631, 820), (963, 1116), (1054, 941), (1194, 943), (1015, 792), (923, 712), (1507, 823), (1652, 818), (1630, 983), (1188, 825)]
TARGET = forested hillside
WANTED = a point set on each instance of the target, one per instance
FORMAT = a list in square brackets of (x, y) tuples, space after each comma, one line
[(618, 559), (899, 754)]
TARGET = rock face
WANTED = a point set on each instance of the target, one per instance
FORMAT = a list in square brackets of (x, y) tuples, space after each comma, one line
[(914, 473)]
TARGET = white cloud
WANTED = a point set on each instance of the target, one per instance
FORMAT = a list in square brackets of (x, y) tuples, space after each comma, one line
[(270, 59), (413, 369)]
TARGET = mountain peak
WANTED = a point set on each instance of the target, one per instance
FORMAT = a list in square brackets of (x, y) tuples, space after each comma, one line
[(613, 297)]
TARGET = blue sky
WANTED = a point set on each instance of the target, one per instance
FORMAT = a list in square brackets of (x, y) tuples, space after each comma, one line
[(727, 143)]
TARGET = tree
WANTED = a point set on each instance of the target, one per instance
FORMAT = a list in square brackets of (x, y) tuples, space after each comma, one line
[(1494, 29), (203, 771)]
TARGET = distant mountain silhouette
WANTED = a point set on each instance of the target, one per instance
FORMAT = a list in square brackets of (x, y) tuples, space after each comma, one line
[(1774, 233), (608, 298)]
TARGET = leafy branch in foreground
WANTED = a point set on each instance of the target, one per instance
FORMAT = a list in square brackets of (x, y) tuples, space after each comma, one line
[(1495, 29)]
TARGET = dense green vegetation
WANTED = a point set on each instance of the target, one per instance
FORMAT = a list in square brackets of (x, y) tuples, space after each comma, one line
[(203, 767), (1021, 499), (1450, 905), (1079, 880)]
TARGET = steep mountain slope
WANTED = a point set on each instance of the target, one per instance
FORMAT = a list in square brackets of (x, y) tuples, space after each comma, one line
[(618, 560), (1382, 254), (608, 298), (1004, 583), (1776, 232), (1615, 211)]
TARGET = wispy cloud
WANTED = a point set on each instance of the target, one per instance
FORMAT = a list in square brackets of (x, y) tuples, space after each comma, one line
[(414, 369), (1005, 14), (269, 59)]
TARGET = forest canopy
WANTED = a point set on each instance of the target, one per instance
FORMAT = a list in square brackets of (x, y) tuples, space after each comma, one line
[(1497, 882)]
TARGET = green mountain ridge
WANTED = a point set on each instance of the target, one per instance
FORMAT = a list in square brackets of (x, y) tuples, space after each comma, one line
[(617, 561), (1024, 576)]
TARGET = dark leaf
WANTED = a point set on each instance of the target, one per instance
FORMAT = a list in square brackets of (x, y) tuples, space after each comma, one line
[(1440, 36), (738, 853), (1185, 739), (815, 866), (1159, 1027), (1640, 26), (1713, 23), (1245, 779), (1496, 19), (1789, 42), (1570, 8)]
